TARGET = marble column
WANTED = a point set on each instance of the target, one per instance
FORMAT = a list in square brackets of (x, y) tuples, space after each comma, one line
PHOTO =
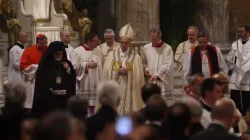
[(141, 14), (213, 18)]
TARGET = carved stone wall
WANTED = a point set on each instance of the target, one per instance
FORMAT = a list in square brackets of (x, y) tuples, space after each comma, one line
[(142, 15)]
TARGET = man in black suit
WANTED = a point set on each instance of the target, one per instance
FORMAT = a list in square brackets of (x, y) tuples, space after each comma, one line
[(109, 99), (222, 117)]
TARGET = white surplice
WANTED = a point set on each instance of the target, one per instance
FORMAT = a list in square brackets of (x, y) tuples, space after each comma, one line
[(88, 82), (14, 73), (181, 51), (159, 62), (3, 81), (71, 55), (29, 80), (187, 65), (240, 78)]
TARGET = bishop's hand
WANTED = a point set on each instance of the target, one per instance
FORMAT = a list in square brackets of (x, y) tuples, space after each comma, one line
[(123, 71), (65, 65), (92, 64), (154, 78)]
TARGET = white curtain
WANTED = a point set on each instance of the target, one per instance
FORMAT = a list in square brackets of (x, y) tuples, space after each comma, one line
[(41, 9)]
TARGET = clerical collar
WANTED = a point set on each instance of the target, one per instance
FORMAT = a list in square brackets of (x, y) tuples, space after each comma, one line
[(194, 96), (195, 43), (244, 41), (19, 43), (159, 44), (206, 106), (86, 47)]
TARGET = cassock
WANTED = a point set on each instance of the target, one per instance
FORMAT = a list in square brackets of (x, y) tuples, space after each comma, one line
[(88, 78), (239, 83), (15, 54), (28, 65), (131, 83), (181, 51), (158, 60), (52, 76), (71, 54), (207, 62)]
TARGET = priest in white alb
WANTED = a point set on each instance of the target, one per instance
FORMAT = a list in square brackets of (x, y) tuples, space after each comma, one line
[(71, 54), (239, 57), (158, 62), (204, 58), (192, 33), (124, 66), (15, 54), (88, 70), (110, 43)]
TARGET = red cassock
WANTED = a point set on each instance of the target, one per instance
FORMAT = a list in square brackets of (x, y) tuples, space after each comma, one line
[(31, 55)]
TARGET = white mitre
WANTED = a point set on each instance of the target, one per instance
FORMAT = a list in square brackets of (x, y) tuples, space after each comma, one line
[(127, 32)]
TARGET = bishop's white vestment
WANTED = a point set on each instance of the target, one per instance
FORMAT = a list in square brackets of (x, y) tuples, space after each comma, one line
[(131, 83), (206, 64), (3, 81), (71, 55), (87, 78), (159, 61)]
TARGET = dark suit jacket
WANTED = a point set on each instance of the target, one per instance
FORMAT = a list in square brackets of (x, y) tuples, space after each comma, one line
[(97, 122), (214, 132)]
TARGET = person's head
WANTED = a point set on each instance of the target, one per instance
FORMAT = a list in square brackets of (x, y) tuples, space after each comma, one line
[(156, 108), (203, 40), (224, 81), (41, 41), (78, 106), (22, 37), (155, 36), (192, 33), (194, 83), (244, 31), (109, 36), (91, 39), (224, 111), (59, 126), (178, 119), (211, 90), (194, 107), (27, 128), (56, 49), (126, 34), (16, 94), (109, 94), (65, 37), (148, 90)]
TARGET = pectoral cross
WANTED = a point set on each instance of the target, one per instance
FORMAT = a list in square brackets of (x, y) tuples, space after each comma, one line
[(205, 63)]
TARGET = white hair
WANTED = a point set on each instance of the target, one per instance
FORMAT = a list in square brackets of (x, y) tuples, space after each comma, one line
[(194, 106), (109, 93), (194, 28), (109, 32), (16, 93)]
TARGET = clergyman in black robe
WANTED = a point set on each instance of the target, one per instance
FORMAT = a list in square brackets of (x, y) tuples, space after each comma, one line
[(55, 81)]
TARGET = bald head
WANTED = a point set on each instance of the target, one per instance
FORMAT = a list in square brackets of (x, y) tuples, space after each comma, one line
[(224, 80), (65, 36), (22, 37), (224, 110)]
